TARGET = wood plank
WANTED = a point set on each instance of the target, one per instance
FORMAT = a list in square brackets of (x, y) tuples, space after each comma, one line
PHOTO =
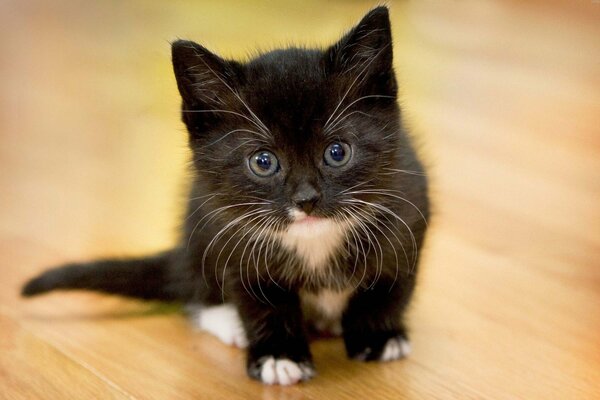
[(30, 368)]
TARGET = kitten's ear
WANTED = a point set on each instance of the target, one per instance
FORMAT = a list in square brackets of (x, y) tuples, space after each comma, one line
[(366, 53), (205, 80)]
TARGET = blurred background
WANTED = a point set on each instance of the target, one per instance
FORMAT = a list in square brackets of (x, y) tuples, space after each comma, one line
[(503, 98)]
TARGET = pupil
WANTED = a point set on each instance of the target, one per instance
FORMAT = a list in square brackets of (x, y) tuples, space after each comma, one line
[(263, 161), (337, 152)]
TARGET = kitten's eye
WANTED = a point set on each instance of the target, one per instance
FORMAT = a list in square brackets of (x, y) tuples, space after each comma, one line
[(263, 163), (337, 154)]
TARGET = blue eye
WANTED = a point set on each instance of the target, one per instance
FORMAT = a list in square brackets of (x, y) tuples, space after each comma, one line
[(337, 154), (263, 163)]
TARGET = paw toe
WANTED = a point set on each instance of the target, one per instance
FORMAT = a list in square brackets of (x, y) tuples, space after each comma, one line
[(282, 371), (395, 348)]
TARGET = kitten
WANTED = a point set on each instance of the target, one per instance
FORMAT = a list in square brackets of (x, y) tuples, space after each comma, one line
[(307, 210)]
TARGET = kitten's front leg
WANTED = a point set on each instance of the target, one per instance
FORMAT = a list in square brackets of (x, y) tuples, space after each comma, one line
[(278, 351), (372, 323)]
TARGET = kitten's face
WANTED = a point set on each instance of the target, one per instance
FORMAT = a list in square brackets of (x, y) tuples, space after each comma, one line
[(294, 134)]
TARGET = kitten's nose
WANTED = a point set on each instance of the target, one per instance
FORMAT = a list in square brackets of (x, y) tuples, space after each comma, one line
[(306, 197)]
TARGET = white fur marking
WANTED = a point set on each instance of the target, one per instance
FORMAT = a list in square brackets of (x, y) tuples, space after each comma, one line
[(331, 303), (325, 309), (282, 371), (313, 241), (394, 349), (224, 322)]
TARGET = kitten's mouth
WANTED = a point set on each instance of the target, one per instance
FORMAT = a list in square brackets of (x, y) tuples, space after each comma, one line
[(301, 218), (308, 219)]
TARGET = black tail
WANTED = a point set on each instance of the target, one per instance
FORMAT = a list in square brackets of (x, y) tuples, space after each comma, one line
[(145, 278)]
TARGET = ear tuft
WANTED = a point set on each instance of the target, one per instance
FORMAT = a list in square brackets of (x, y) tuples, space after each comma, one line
[(366, 50), (204, 79)]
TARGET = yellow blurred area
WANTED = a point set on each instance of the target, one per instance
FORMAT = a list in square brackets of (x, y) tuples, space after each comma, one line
[(97, 76), (87, 76), (502, 96)]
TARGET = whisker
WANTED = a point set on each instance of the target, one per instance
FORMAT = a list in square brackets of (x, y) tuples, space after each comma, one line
[(253, 218), (385, 192), (263, 134), (272, 241), (341, 113), (378, 259), (230, 133), (260, 230), (358, 76), (255, 120), (352, 231), (338, 124), (385, 209), (221, 232), (218, 211), (200, 206), (355, 186), (392, 246), (404, 171), (352, 214)]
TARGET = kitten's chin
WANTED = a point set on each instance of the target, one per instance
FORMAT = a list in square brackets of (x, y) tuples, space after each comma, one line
[(313, 239)]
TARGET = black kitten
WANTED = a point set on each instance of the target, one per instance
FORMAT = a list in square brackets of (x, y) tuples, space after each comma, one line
[(307, 209)]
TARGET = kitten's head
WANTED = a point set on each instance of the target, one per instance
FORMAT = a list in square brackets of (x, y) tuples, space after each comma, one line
[(294, 134)]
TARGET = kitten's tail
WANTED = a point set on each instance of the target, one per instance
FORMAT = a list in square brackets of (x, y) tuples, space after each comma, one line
[(145, 278)]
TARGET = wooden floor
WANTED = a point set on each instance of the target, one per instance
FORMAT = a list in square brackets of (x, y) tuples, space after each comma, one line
[(504, 97)]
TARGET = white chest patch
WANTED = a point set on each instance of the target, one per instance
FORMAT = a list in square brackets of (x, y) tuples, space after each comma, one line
[(315, 241), (324, 309)]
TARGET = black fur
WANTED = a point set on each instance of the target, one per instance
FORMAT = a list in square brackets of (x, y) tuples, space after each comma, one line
[(282, 101), (143, 278)]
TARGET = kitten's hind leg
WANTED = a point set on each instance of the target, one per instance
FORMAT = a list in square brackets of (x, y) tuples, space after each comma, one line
[(372, 323), (222, 320)]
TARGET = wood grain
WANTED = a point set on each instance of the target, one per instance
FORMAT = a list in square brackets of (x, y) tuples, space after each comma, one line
[(504, 97)]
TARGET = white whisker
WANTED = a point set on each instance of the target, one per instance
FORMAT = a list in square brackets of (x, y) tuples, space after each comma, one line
[(358, 76), (216, 212), (222, 231), (387, 210), (263, 215), (326, 128), (385, 192)]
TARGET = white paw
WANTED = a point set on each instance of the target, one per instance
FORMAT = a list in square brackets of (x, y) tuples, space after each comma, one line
[(223, 321), (282, 371), (394, 349)]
